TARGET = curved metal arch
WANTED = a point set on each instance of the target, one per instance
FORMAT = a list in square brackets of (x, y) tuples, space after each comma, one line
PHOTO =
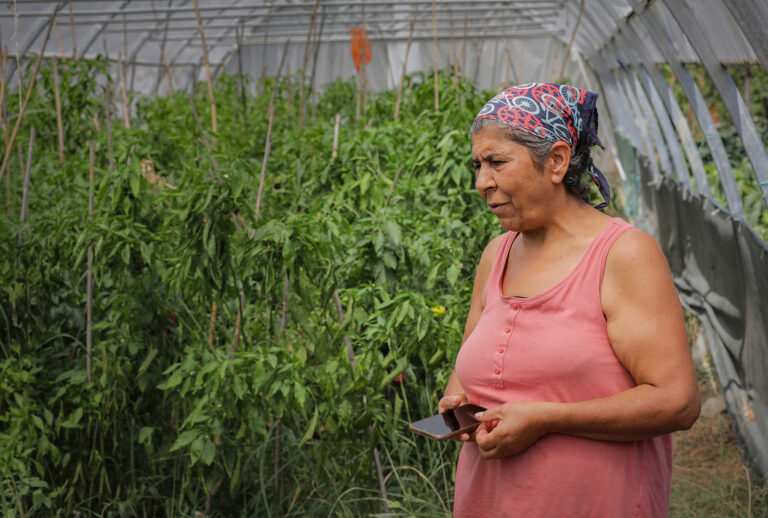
[(729, 93), (651, 21), (99, 30), (675, 113)]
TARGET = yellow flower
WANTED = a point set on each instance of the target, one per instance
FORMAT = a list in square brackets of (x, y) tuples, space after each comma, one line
[(438, 311)]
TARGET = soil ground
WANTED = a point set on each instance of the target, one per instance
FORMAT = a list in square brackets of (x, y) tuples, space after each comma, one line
[(709, 477)]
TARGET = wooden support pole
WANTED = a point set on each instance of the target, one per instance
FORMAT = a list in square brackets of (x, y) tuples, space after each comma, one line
[(27, 177), (206, 144), (313, 84), (168, 71), (59, 122), (89, 276), (123, 92), (207, 68), (434, 53), (3, 70), (405, 64), (336, 126), (241, 79), (58, 39), (302, 87), (573, 36), (267, 148), (72, 27), (9, 142), (353, 363), (240, 310), (363, 71)]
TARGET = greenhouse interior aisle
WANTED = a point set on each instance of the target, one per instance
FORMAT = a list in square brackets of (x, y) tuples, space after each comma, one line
[(239, 239)]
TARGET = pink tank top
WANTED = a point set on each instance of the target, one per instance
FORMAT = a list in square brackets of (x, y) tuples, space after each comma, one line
[(554, 347)]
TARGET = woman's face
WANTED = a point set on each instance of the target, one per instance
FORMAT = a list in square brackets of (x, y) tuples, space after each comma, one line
[(505, 175)]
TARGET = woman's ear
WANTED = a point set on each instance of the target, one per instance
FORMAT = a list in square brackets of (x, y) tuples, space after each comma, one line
[(559, 159)]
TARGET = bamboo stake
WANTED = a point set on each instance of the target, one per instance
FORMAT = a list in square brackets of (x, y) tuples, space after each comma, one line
[(353, 363), (168, 73), (207, 68), (267, 147), (336, 125), (126, 114), (434, 53), (9, 143), (573, 36), (59, 123), (302, 92), (58, 39), (211, 333), (313, 84), (264, 49), (206, 144), (27, 177), (108, 95), (363, 71), (72, 27), (3, 70), (405, 64), (242, 82), (89, 277), (236, 339)]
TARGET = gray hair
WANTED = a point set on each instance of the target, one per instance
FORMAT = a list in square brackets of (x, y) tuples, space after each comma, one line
[(539, 149)]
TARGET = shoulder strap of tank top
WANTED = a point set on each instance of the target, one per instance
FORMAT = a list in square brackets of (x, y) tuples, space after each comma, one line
[(598, 252), (492, 285)]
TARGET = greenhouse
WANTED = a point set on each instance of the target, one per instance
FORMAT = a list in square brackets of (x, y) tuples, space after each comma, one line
[(239, 239)]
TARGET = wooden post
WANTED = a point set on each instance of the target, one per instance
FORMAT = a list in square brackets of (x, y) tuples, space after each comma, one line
[(3, 70), (126, 113), (353, 363), (405, 64), (573, 36), (58, 39), (267, 147), (240, 310), (27, 177), (108, 95), (240, 72), (302, 91), (336, 125), (168, 72), (434, 52), (264, 49), (72, 26), (313, 83), (206, 144), (9, 142), (89, 276), (59, 123), (207, 68)]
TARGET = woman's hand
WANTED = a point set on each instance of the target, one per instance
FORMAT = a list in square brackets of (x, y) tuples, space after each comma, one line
[(452, 401), (510, 428)]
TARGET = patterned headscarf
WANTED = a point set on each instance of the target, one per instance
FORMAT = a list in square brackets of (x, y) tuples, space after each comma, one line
[(557, 113)]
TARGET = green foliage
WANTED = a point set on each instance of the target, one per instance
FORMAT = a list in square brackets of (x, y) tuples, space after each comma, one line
[(187, 411)]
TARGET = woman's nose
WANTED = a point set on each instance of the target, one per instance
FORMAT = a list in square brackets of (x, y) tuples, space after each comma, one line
[(484, 179)]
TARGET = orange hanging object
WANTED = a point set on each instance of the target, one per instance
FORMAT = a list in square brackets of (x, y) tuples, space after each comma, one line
[(360, 45)]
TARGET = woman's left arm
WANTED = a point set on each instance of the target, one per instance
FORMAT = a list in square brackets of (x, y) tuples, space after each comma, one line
[(646, 329)]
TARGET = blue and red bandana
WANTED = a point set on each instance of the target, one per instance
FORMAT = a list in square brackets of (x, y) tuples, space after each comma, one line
[(557, 113)]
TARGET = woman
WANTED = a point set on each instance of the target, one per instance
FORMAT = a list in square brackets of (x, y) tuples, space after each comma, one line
[(575, 340)]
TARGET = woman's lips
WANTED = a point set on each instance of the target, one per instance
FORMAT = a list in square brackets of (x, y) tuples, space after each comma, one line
[(496, 208)]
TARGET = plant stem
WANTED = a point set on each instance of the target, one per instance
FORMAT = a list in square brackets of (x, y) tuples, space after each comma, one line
[(434, 53), (336, 125), (89, 277), (126, 113)]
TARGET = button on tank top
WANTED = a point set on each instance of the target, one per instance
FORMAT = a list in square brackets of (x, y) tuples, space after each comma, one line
[(554, 347)]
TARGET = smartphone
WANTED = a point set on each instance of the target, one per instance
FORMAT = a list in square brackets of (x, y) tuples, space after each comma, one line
[(449, 424)]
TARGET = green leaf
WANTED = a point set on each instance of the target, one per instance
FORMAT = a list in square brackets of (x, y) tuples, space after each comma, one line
[(209, 451), (145, 434), (147, 361), (310, 429), (393, 231), (399, 368), (133, 181), (73, 419), (184, 439)]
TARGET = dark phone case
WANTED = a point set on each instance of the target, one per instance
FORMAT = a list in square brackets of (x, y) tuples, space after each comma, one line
[(449, 424)]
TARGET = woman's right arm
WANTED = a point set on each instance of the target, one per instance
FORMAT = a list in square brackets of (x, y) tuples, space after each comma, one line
[(454, 394)]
